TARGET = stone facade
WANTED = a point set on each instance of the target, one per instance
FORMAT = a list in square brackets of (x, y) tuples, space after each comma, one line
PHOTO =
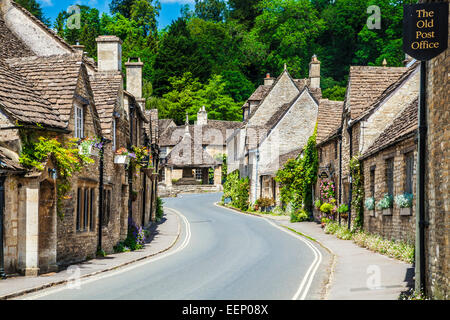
[(49, 79), (398, 224), (437, 236)]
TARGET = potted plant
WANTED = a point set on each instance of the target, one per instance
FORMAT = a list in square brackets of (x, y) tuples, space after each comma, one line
[(122, 156), (404, 202), (370, 205), (385, 204), (90, 146), (343, 211)]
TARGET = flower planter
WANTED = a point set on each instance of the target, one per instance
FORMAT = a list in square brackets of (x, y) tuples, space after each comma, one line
[(91, 150), (405, 211), (120, 159), (387, 212), (148, 171)]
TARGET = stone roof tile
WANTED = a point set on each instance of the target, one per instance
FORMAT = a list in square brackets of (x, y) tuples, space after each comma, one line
[(329, 118), (404, 125)]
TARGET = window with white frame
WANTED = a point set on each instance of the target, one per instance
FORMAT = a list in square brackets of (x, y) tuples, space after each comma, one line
[(79, 122)]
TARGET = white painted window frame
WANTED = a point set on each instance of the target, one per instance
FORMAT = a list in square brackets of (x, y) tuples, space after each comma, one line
[(79, 123)]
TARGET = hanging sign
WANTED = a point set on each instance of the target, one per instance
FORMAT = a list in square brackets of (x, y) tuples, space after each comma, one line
[(323, 175), (425, 30)]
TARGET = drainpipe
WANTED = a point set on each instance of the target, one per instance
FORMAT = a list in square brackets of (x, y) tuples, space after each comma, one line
[(349, 130), (130, 172), (100, 196), (2, 210), (256, 171), (420, 201)]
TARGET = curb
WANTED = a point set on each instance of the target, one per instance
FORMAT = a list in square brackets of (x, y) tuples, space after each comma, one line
[(56, 283), (332, 265)]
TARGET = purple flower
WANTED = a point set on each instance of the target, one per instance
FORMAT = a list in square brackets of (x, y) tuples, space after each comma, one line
[(132, 155)]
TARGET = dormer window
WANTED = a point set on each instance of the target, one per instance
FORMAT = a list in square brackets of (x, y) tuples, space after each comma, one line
[(79, 122)]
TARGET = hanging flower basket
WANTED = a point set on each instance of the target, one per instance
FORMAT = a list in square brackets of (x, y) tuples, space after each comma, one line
[(148, 171), (121, 159), (90, 146)]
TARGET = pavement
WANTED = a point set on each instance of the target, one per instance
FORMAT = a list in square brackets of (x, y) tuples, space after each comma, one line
[(164, 236), (358, 273)]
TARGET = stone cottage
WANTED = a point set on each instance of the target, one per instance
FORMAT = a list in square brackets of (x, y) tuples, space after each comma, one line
[(190, 153), (52, 89), (328, 141), (279, 117)]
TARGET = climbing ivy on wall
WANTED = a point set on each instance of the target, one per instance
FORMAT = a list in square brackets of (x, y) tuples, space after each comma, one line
[(358, 191), (68, 160), (298, 176), (237, 189)]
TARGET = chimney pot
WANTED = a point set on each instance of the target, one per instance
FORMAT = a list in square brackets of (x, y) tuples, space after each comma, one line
[(314, 73)]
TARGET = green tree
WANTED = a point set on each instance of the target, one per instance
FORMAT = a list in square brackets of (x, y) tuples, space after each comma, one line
[(35, 9), (211, 10), (145, 13), (121, 6), (245, 11), (289, 28), (86, 35)]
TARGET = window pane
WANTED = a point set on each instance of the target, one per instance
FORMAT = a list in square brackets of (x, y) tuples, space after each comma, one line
[(91, 211), (86, 209), (390, 176), (409, 173)]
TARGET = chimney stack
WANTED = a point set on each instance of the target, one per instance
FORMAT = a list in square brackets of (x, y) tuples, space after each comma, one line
[(202, 117), (314, 73), (78, 47), (134, 79), (268, 80), (109, 53)]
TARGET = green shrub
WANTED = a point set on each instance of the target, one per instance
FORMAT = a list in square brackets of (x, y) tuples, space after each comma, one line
[(278, 210), (237, 190), (299, 216), (159, 209), (265, 202), (343, 208), (317, 204), (331, 227), (326, 207)]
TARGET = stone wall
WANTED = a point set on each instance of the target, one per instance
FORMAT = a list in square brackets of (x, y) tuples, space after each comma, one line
[(397, 225), (329, 163), (437, 199)]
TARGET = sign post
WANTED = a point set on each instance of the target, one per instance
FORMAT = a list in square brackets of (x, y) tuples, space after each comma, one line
[(425, 35)]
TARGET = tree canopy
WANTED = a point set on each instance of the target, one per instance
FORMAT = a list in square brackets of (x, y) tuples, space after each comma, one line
[(230, 45)]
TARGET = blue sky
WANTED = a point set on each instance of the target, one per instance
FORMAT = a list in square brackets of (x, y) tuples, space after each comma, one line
[(170, 9)]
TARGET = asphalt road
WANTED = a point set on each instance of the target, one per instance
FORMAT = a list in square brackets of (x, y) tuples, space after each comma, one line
[(220, 255)]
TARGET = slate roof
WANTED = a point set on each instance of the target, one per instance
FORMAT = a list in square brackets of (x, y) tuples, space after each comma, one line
[(22, 102), (403, 126), (105, 87), (9, 161), (366, 84), (172, 135), (329, 118), (260, 93), (163, 124), (54, 78), (11, 46), (189, 152), (414, 67)]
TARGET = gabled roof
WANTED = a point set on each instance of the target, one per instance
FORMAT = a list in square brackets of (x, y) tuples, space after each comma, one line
[(54, 78), (44, 27), (172, 135), (11, 46), (106, 88), (260, 93), (328, 119), (23, 103), (404, 126), (366, 84), (389, 90), (163, 124), (189, 152)]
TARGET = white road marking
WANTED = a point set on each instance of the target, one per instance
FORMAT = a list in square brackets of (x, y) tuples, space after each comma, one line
[(128, 268), (312, 270)]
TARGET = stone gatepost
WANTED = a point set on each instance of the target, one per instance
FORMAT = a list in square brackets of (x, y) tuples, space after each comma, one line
[(168, 177), (28, 236)]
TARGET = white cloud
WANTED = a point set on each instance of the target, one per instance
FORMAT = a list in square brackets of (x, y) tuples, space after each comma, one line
[(46, 3)]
